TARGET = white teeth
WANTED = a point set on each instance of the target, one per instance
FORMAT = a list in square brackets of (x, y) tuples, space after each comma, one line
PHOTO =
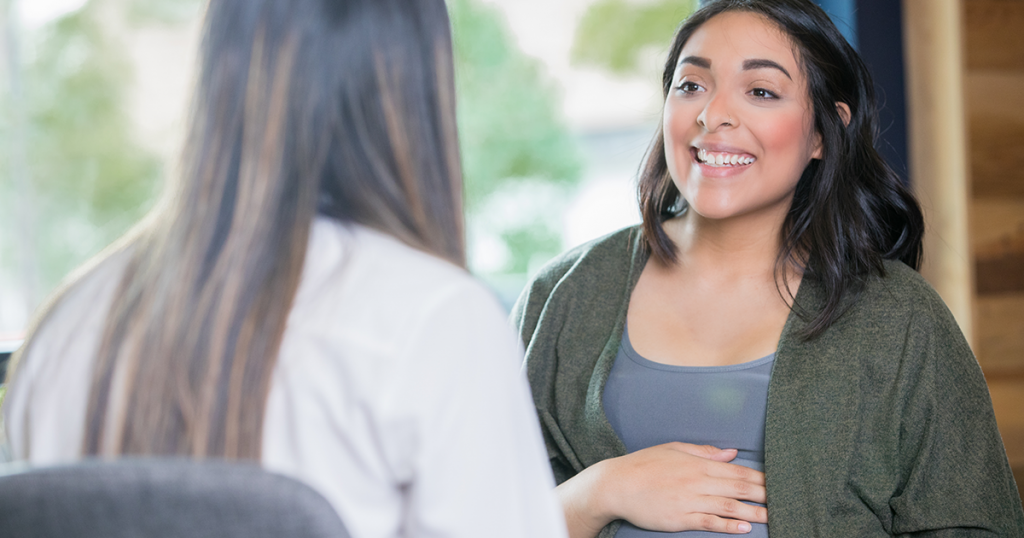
[(723, 159)]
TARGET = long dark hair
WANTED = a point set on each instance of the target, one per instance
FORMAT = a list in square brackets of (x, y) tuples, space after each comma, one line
[(339, 107), (850, 211)]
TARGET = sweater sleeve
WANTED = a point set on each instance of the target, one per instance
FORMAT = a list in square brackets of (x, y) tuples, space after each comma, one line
[(526, 311), (530, 306), (526, 319), (956, 479)]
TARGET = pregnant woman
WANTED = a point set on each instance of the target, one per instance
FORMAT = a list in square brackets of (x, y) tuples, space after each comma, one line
[(760, 355)]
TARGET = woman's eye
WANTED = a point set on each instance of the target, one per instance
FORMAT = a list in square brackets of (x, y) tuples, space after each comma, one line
[(762, 93), (688, 87)]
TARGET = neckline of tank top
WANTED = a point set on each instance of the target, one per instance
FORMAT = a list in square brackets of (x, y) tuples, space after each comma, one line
[(640, 360)]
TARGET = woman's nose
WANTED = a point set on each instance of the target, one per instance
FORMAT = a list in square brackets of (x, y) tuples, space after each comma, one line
[(716, 114)]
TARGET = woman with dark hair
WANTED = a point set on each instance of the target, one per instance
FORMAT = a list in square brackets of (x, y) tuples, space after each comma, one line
[(300, 298), (761, 354)]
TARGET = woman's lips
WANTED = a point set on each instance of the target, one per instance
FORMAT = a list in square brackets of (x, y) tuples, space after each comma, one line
[(721, 159)]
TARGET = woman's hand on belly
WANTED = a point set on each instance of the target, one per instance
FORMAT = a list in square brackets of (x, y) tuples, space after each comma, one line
[(669, 488)]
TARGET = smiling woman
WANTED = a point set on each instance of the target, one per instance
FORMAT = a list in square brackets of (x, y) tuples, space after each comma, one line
[(727, 107), (761, 354)]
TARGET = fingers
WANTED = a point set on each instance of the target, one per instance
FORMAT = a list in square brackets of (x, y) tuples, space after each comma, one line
[(734, 472), (724, 455), (730, 509), (734, 482), (679, 486), (708, 522), (705, 451), (736, 489), (710, 513), (730, 480)]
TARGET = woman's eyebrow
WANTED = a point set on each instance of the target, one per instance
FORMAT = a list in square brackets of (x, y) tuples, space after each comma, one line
[(759, 63), (697, 61)]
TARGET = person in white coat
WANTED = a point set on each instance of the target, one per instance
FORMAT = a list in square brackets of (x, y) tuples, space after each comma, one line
[(300, 297)]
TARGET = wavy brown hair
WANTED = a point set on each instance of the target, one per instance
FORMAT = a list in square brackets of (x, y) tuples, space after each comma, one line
[(339, 107)]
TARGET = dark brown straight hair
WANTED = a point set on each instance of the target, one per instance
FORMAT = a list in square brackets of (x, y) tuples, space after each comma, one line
[(850, 210), (343, 108)]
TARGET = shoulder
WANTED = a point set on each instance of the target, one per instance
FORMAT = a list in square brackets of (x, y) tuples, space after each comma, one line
[(365, 264), (593, 266), (609, 251), (77, 311), (897, 325), (361, 287), (49, 379), (902, 294), (368, 249)]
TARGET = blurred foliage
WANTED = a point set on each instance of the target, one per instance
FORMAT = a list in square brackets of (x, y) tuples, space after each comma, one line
[(613, 33), (530, 244), (510, 126), (91, 180), (163, 11)]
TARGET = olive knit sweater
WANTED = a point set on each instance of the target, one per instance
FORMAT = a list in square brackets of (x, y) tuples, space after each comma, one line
[(880, 426)]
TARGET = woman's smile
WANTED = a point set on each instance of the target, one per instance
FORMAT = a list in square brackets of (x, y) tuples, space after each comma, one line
[(722, 158), (739, 110), (716, 162)]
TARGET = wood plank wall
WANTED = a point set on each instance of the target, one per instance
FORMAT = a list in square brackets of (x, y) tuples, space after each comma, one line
[(937, 136), (994, 75), (990, 270)]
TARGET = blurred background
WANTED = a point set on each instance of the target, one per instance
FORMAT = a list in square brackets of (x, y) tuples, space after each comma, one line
[(557, 103), (558, 100)]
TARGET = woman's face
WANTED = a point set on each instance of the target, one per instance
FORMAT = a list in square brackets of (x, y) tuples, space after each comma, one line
[(738, 121)]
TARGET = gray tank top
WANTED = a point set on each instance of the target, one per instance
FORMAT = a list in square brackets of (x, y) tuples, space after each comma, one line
[(649, 403)]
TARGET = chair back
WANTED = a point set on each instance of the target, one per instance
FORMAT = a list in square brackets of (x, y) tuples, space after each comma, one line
[(162, 498)]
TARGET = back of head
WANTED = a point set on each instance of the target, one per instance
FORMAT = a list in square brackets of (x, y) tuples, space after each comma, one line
[(354, 98), (343, 108), (850, 211)]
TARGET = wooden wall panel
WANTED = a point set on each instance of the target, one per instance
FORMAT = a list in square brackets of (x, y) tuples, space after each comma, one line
[(997, 157), (994, 34), (996, 94), (996, 120), (994, 40), (993, 220), (990, 184), (1002, 272), (1008, 399), (998, 245), (994, 83), (938, 148), (999, 337)]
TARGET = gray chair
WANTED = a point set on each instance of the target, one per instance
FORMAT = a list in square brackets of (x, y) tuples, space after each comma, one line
[(162, 498)]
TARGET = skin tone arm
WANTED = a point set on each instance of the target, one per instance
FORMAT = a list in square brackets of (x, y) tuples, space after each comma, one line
[(669, 488)]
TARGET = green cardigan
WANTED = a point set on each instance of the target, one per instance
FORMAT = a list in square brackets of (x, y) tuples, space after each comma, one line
[(880, 426)]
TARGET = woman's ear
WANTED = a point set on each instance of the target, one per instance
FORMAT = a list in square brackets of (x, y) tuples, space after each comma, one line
[(844, 112)]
